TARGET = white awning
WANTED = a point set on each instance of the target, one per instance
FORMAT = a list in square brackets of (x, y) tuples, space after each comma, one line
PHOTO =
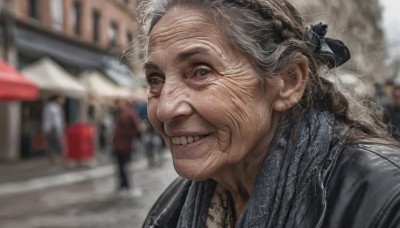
[(51, 77), (120, 74), (99, 87)]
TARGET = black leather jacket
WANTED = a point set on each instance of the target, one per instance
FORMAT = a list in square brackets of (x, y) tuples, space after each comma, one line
[(363, 191)]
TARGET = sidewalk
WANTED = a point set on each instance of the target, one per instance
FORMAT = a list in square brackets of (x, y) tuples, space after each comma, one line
[(36, 173)]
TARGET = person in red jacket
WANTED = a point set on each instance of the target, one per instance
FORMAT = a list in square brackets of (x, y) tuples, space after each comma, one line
[(127, 125)]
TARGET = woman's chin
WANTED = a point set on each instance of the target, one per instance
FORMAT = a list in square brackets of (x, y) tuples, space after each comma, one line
[(191, 171)]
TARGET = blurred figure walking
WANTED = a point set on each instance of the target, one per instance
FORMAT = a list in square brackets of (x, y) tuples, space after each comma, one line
[(153, 146), (127, 127), (53, 126)]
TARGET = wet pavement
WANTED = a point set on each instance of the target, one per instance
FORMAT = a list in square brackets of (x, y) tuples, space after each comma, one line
[(90, 203)]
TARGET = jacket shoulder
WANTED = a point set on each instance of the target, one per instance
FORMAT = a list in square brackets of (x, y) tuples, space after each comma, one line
[(166, 210), (364, 187)]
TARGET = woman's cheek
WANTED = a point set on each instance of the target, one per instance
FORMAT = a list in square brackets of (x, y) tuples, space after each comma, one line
[(152, 114)]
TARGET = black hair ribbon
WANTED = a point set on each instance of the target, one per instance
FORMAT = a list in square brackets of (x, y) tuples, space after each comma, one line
[(334, 52)]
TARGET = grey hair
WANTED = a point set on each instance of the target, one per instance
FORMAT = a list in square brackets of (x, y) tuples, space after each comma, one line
[(261, 41), (271, 34)]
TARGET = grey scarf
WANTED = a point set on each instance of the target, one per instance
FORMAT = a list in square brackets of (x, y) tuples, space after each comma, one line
[(292, 174)]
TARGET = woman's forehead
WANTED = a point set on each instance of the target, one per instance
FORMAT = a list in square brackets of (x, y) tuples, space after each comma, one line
[(188, 30), (183, 22)]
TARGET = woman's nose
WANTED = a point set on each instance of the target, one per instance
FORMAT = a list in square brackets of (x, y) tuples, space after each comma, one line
[(173, 103)]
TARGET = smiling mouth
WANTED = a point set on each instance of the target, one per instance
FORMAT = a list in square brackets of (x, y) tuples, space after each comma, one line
[(185, 140)]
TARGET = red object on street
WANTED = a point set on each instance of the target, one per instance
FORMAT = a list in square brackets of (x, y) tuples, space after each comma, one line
[(80, 142), (14, 86)]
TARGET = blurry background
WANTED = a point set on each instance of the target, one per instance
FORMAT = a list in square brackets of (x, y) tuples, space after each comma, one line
[(391, 28), (70, 48), (78, 49)]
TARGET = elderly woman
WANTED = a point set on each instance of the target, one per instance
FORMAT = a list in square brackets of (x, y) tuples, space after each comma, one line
[(258, 136)]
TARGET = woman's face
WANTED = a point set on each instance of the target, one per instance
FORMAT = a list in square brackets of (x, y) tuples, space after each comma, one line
[(205, 98)]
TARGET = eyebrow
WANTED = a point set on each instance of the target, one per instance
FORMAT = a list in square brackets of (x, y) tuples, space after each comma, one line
[(150, 65), (191, 52), (180, 57)]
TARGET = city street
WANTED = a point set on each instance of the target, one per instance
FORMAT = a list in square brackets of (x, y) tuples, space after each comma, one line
[(292, 108), (91, 203)]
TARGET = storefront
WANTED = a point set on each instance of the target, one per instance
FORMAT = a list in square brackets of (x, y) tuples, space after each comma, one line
[(14, 88), (51, 79), (65, 58)]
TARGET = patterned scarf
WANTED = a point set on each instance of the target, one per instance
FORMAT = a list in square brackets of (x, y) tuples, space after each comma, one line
[(292, 173)]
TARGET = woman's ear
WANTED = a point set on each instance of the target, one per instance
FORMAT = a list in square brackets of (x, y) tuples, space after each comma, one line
[(293, 80)]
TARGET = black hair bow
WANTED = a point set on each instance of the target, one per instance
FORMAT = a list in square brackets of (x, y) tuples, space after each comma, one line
[(333, 51)]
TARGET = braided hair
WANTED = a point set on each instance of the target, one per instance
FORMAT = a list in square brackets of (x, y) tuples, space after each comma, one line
[(271, 33)]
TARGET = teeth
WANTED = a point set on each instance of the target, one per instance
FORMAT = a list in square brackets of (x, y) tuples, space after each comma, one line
[(182, 140)]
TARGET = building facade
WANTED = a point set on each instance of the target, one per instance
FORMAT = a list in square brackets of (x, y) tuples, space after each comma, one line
[(103, 23), (358, 24), (107, 26), (78, 35)]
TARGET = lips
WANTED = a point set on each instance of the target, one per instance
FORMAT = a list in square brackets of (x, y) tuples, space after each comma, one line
[(185, 140)]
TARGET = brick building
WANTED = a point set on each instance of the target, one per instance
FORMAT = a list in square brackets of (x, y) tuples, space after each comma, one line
[(103, 26), (79, 36)]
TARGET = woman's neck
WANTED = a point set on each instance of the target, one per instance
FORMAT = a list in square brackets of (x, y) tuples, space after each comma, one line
[(240, 179)]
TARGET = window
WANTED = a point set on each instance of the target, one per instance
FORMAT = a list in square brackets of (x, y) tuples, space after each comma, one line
[(34, 9), (57, 14), (76, 17), (113, 33), (96, 25)]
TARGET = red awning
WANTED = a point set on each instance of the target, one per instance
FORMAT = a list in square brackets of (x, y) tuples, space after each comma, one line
[(14, 86)]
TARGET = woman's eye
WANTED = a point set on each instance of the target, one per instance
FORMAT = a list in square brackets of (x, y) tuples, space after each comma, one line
[(201, 72), (155, 80)]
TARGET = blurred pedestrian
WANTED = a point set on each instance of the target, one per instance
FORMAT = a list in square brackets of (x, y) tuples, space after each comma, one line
[(53, 126), (393, 112), (153, 146), (127, 127)]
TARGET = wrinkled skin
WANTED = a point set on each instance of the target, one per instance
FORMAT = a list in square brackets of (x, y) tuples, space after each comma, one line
[(201, 86)]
